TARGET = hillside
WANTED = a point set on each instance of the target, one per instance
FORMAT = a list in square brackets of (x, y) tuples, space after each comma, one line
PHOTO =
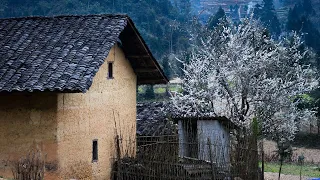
[(164, 24), (207, 8), (161, 23)]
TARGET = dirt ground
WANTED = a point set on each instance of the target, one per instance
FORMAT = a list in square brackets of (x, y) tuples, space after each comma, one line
[(274, 176), (311, 155)]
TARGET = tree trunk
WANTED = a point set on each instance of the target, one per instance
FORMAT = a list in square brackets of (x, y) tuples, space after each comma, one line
[(300, 170), (253, 165), (281, 161), (262, 161), (211, 160), (318, 124)]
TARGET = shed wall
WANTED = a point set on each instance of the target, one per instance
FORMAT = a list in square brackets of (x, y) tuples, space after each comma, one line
[(219, 141), (207, 132), (182, 131)]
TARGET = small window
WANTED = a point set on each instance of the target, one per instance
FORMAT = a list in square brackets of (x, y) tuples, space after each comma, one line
[(110, 70), (94, 150)]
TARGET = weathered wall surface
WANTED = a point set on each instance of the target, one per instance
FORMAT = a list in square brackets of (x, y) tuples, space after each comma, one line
[(27, 120), (205, 129), (182, 131), (63, 125), (107, 109), (219, 139)]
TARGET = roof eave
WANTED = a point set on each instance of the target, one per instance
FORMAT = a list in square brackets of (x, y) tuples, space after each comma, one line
[(156, 67)]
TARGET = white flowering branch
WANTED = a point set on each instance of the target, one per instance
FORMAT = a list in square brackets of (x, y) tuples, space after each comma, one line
[(240, 73)]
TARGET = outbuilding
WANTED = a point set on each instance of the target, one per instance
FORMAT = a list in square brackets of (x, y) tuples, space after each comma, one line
[(205, 138)]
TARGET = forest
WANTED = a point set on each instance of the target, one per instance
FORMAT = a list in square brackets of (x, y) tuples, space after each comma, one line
[(169, 25), (162, 24)]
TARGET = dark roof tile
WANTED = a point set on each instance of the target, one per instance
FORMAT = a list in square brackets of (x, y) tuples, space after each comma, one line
[(43, 53), (60, 53)]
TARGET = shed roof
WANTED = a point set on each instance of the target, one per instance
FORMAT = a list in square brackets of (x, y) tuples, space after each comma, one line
[(153, 120), (222, 119), (64, 53)]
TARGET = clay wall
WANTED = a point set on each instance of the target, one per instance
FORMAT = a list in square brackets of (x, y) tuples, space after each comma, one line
[(64, 125), (27, 121), (106, 110)]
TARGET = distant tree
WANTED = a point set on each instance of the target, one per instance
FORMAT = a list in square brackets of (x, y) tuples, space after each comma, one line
[(307, 7), (185, 9), (294, 22), (311, 34), (214, 20), (166, 67), (268, 16), (3, 6), (317, 104), (234, 13), (152, 17), (298, 21), (149, 94)]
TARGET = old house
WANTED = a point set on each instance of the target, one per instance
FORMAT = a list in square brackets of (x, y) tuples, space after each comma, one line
[(68, 86)]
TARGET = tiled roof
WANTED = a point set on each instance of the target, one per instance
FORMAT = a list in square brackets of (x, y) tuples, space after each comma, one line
[(152, 119), (60, 53)]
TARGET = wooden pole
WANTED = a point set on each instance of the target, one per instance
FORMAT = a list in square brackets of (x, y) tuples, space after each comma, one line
[(262, 167), (211, 160)]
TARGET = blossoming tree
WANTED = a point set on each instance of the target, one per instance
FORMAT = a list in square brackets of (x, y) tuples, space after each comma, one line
[(239, 72)]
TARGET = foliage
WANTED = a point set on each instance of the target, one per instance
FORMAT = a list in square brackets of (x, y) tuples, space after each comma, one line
[(299, 21), (240, 72), (162, 24), (234, 10), (149, 94), (214, 20), (166, 67), (310, 141), (285, 152), (268, 16)]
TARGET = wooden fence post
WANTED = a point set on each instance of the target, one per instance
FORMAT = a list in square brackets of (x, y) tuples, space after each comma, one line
[(211, 160)]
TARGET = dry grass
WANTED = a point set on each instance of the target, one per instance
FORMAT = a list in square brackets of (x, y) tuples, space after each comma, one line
[(30, 167), (311, 155), (80, 171)]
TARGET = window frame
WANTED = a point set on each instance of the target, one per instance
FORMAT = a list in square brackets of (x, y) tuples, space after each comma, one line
[(110, 66), (95, 151)]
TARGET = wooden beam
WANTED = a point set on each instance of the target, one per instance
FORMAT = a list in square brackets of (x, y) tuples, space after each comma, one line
[(151, 81), (138, 70), (137, 56), (156, 64)]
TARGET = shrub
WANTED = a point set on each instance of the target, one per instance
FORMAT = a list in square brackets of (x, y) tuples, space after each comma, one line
[(30, 167)]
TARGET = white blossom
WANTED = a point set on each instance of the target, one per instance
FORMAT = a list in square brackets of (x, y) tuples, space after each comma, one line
[(240, 73)]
